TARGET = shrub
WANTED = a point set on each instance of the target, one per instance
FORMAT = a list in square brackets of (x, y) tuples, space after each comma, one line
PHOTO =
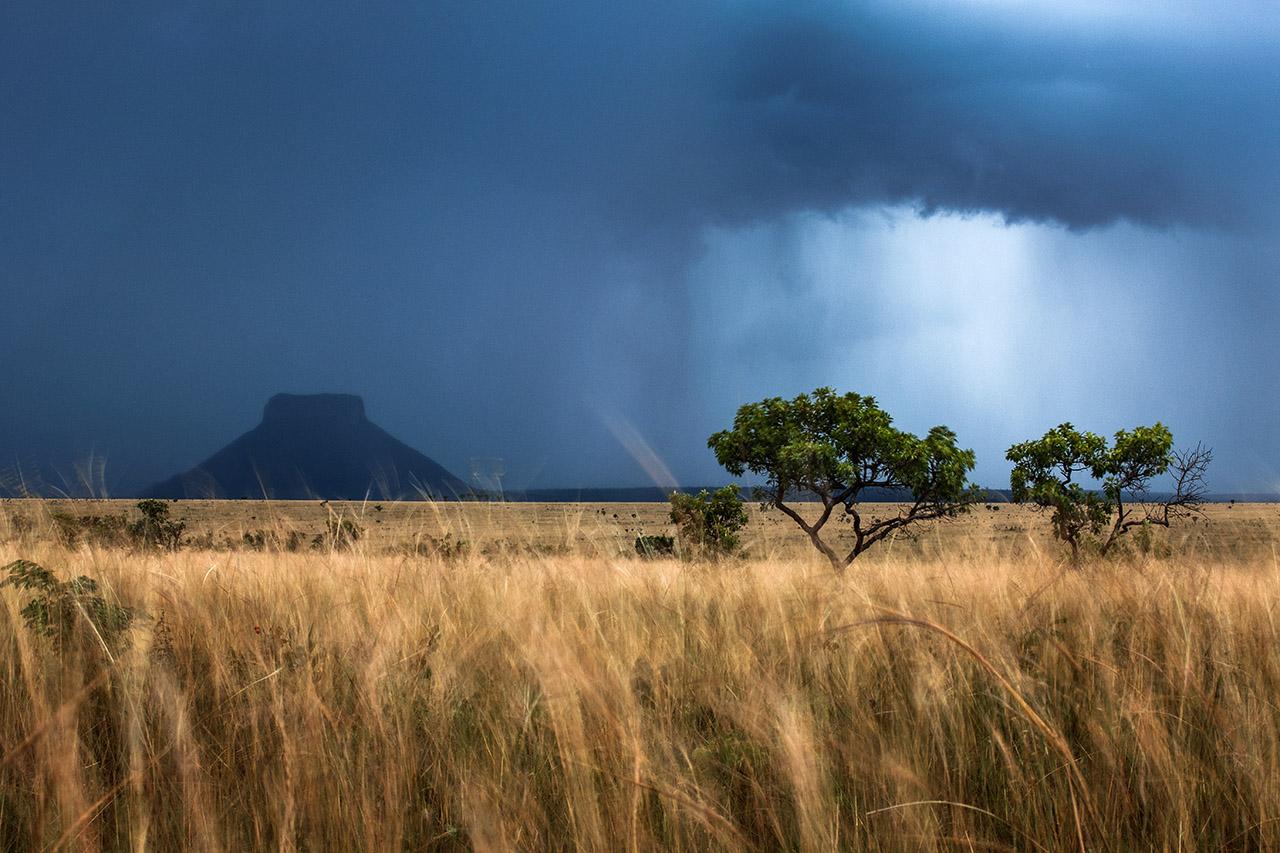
[(444, 547), (264, 540), (340, 533), (155, 529), (20, 526), (709, 523), (58, 608), (107, 531), (655, 546)]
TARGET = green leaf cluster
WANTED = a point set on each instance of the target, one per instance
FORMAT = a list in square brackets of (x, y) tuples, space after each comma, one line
[(709, 523), (1047, 473), (57, 608), (840, 444), (655, 546), (155, 528)]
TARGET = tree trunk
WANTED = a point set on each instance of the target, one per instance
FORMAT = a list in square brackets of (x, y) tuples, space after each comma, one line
[(837, 564)]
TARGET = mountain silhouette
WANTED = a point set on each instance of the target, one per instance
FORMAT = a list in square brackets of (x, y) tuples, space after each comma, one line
[(314, 446)]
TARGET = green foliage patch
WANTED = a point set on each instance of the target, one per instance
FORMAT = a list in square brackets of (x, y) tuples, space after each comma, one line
[(155, 529), (1047, 473), (708, 523), (655, 546), (59, 609)]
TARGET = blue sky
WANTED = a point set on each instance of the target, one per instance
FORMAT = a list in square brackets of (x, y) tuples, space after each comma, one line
[(577, 235)]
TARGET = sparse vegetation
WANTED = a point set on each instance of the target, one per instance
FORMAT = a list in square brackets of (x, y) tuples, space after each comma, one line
[(105, 531), (155, 529), (445, 547), (20, 526), (345, 699), (274, 540), (341, 532)]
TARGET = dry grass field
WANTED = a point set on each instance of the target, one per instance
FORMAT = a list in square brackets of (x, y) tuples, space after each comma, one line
[(542, 687), (609, 529)]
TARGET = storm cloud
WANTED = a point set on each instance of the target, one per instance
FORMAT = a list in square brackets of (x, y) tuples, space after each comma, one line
[(522, 229)]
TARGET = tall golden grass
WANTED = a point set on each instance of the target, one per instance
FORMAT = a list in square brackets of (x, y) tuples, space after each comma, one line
[(361, 700)]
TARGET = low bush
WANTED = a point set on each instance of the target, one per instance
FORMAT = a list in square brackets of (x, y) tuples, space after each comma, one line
[(63, 610), (105, 531), (655, 546), (340, 534), (445, 547), (274, 540), (155, 529), (708, 523)]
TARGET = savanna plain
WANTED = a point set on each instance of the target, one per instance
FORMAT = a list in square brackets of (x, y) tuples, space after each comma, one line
[(516, 677)]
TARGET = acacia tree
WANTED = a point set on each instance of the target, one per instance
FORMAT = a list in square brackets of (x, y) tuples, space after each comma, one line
[(1046, 472), (833, 447)]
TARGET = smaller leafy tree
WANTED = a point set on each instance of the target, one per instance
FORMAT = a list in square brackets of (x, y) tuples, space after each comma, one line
[(155, 529), (834, 447), (1047, 473), (709, 522)]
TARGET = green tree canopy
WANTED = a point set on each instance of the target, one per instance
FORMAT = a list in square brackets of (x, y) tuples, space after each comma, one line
[(833, 447), (1047, 473)]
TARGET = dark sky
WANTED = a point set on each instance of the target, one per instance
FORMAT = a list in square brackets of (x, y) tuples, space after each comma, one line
[(577, 235)]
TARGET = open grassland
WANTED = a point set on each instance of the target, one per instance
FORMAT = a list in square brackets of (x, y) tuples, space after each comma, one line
[(543, 688), (610, 529)]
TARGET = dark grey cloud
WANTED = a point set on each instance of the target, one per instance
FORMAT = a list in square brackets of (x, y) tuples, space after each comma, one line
[(1033, 126), (483, 217), (837, 105)]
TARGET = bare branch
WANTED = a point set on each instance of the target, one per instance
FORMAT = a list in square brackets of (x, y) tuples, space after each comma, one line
[(1189, 491)]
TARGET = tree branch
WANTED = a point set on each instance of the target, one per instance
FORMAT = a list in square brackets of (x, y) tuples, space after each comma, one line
[(812, 529), (919, 511)]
